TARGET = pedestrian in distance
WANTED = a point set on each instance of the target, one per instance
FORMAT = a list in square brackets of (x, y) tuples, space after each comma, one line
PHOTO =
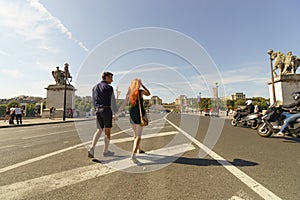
[(7, 115), (18, 113), (135, 98), (12, 116), (105, 105), (52, 112)]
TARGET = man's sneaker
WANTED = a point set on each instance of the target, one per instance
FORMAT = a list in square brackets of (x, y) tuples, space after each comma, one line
[(108, 153), (91, 153), (279, 134), (142, 151)]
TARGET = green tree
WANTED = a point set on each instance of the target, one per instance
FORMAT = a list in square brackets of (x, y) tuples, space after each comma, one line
[(205, 103), (3, 108), (230, 104), (30, 110), (13, 103)]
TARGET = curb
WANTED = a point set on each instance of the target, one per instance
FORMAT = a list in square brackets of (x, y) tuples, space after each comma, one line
[(45, 123)]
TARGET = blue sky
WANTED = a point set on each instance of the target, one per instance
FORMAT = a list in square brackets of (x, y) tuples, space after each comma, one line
[(234, 36)]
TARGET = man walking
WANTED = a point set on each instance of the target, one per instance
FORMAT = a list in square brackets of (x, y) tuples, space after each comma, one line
[(105, 104)]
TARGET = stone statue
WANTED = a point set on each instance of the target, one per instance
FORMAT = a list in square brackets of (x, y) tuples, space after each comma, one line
[(278, 58), (58, 76), (295, 64), (287, 64), (67, 73)]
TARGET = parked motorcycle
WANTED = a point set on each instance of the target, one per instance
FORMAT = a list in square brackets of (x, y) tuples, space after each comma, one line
[(252, 120), (272, 122)]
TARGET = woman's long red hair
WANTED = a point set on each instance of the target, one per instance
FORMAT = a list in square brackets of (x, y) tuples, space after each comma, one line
[(134, 91)]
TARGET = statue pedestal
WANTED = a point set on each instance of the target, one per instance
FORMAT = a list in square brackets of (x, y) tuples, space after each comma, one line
[(55, 98), (284, 85)]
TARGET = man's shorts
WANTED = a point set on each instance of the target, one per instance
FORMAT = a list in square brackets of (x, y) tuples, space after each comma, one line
[(104, 118)]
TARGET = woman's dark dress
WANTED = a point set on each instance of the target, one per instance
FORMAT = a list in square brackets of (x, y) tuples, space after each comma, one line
[(135, 112)]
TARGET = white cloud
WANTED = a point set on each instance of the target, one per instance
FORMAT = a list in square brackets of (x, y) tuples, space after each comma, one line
[(33, 23), (21, 21), (5, 53), (14, 73), (46, 14)]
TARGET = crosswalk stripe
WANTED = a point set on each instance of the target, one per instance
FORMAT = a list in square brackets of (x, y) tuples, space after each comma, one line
[(2, 170), (51, 182)]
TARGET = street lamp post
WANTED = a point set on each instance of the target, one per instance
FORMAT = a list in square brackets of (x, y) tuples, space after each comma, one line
[(199, 101), (66, 76), (272, 75), (217, 95)]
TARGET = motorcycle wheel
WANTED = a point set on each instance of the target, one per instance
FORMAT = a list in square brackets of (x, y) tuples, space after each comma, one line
[(264, 130), (254, 125), (233, 122)]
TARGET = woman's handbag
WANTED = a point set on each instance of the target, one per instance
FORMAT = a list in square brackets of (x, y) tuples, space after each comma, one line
[(144, 119)]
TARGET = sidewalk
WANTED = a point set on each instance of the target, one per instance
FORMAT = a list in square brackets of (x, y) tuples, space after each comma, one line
[(41, 121)]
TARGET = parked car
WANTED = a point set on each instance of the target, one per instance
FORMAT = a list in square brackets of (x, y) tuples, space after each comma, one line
[(214, 112), (206, 112)]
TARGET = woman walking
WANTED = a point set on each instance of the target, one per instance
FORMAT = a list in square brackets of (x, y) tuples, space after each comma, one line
[(135, 98)]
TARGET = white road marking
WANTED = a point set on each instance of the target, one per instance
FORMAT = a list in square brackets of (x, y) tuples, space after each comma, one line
[(250, 182), (157, 156), (7, 146), (54, 133), (236, 198), (240, 195), (55, 153), (144, 137), (27, 146), (55, 181), (39, 158), (51, 182)]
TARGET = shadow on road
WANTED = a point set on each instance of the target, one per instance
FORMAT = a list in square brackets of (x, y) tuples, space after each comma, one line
[(287, 139), (210, 162), (196, 161)]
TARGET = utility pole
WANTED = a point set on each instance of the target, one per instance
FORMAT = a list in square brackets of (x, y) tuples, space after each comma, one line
[(272, 75), (66, 76)]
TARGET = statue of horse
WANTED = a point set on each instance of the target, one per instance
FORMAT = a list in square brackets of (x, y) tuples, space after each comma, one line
[(278, 58), (295, 64)]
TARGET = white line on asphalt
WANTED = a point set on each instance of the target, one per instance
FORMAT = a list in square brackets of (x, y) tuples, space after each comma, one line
[(7, 146), (41, 185), (51, 182), (39, 127), (162, 134), (38, 158), (250, 182), (54, 133), (157, 156), (50, 154), (46, 156)]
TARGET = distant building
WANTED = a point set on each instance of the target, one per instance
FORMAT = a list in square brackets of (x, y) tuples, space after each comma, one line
[(155, 100), (181, 100), (238, 95), (215, 93)]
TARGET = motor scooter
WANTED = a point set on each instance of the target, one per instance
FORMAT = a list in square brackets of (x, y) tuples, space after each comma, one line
[(252, 120), (273, 120)]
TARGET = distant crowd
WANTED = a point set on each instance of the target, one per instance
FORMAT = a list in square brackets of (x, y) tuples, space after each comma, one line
[(12, 114)]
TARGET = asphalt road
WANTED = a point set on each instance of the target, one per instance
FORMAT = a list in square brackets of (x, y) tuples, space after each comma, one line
[(50, 162)]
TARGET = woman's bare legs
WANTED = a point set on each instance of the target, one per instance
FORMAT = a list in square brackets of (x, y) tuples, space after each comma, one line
[(137, 131)]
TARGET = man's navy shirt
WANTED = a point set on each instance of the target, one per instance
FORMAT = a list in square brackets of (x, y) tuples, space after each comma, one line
[(103, 95)]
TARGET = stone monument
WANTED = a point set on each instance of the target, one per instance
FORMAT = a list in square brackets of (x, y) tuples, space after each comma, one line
[(284, 78), (56, 92)]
